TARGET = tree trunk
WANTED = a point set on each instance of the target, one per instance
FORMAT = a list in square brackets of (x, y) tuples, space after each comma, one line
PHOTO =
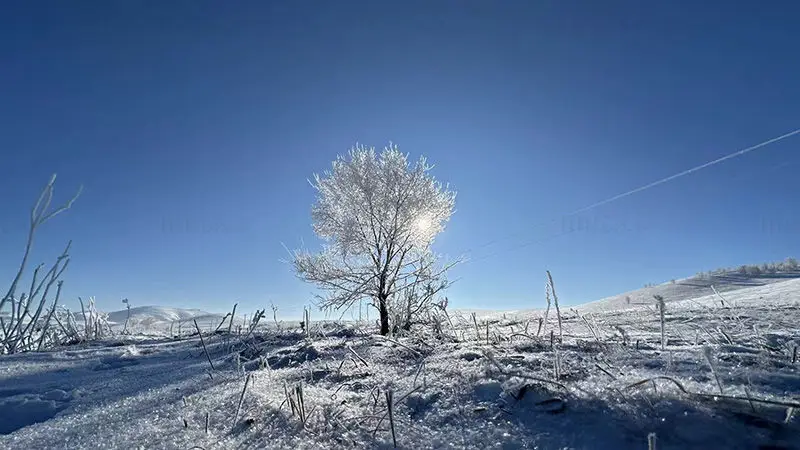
[(384, 311)]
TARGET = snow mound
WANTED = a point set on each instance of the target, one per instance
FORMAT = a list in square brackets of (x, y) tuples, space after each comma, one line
[(20, 408)]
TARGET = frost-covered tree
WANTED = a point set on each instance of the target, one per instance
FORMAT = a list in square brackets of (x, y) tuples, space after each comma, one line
[(378, 215)]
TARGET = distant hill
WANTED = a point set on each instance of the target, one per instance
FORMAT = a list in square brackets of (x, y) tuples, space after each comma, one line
[(156, 314), (688, 288), (723, 280), (161, 318)]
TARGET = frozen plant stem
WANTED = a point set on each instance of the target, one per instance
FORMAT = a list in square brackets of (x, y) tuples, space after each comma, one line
[(555, 300), (241, 399), (651, 441), (301, 404), (307, 320), (205, 350), (477, 328), (233, 315), (709, 358), (389, 405), (557, 363), (363, 361), (546, 311), (275, 315), (661, 310)]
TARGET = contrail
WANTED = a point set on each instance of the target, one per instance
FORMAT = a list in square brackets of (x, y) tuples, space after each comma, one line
[(640, 189), (685, 172)]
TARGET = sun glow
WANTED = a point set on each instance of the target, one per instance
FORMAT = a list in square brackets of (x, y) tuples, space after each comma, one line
[(423, 224)]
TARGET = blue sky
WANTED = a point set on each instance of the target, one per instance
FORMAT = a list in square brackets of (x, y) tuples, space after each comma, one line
[(194, 126)]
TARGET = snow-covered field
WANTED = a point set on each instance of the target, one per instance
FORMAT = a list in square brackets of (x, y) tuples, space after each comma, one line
[(728, 378)]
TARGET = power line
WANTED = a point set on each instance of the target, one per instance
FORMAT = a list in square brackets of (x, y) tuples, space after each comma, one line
[(632, 192)]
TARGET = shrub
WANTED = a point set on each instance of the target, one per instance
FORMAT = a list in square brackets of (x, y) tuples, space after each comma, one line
[(24, 319)]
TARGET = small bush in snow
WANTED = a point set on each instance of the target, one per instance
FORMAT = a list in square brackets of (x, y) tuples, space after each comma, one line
[(25, 319)]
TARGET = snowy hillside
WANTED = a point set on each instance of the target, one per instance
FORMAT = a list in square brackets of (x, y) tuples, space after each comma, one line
[(679, 290), (707, 372), (688, 288)]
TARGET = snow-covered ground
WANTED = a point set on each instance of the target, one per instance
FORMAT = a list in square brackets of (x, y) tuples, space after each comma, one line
[(728, 377)]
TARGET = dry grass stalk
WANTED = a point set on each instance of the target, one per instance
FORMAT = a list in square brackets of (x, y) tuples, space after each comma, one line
[(721, 298), (505, 372), (398, 343), (555, 300), (651, 441), (726, 335), (557, 363), (363, 361), (296, 402), (625, 338), (390, 407), (241, 399), (307, 321), (233, 315), (477, 328), (709, 357), (546, 311), (662, 307), (275, 315), (301, 404), (699, 395), (605, 371), (386, 414), (588, 325), (222, 322), (205, 350)]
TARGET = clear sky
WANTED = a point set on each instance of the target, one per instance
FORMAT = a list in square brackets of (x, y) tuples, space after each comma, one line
[(194, 126)]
